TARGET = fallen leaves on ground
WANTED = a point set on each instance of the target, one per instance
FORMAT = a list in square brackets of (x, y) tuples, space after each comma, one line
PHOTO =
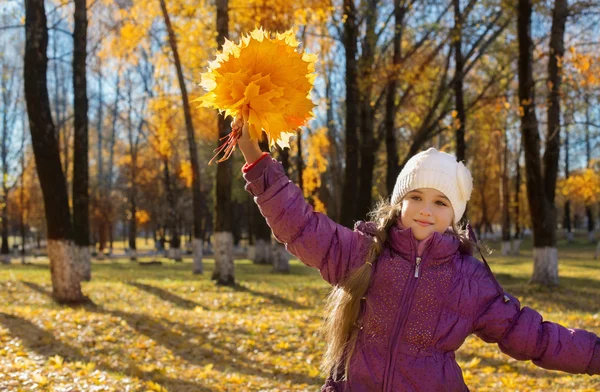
[(164, 329)]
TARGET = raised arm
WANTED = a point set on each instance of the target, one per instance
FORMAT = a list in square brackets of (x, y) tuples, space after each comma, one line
[(314, 238)]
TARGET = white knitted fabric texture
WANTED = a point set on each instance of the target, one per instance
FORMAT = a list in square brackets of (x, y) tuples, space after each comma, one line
[(440, 171)]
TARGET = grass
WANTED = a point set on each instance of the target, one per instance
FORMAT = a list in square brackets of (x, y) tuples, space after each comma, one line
[(162, 328)]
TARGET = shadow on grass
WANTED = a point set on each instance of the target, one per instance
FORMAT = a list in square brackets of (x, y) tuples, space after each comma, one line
[(538, 372), (167, 296), (37, 288), (276, 299), (177, 338), (44, 343)]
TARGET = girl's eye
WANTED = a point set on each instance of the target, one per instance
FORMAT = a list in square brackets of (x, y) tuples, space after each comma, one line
[(416, 198), (441, 203)]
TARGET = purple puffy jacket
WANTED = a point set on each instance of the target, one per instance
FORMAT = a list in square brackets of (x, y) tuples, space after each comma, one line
[(415, 316)]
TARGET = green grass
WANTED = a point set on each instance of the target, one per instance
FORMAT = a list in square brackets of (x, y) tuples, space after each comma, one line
[(163, 328)]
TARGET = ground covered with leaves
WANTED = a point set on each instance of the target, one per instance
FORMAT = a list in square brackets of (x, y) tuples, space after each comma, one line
[(160, 328)]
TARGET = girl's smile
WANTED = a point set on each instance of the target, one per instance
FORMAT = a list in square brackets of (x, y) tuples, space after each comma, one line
[(424, 224), (425, 211)]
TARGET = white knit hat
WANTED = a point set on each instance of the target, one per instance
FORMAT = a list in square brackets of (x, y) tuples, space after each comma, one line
[(440, 171)]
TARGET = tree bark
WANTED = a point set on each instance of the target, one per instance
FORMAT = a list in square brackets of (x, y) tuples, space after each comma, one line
[(4, 89), (224, 273), (22, 197), (81, 198), (567, 217), (589, 163), (393, 166), (518, 232), (461, 147), (334, 169), (174, 248), (193, 151), (541, 185), (260, 252), (65, 279), (367, 147), (505, 193), (351, 184), (133, 141)]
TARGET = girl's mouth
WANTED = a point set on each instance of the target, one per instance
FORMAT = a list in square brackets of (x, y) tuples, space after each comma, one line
[(423, 224)]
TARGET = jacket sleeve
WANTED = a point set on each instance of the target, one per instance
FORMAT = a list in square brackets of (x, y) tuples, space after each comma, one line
[(524, 335), (314, 238)]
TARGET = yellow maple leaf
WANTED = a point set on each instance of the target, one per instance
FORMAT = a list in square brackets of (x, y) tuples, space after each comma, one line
[(265, 76)]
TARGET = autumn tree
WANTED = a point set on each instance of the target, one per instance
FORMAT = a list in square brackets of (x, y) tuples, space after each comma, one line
[(81, 222), (11, 104), (224, 267), (66, 286), (189, 126), (541, 179)]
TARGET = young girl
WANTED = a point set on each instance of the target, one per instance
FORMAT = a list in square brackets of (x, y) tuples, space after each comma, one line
[(407, 290)]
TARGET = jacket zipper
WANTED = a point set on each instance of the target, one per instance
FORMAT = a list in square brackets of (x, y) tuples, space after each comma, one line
[(407, 295), (417, 267)]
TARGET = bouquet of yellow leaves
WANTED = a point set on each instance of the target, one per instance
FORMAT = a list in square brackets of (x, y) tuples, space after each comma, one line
[(265, 79)]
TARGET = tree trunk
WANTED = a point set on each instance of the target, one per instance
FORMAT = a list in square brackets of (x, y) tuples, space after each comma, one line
[(65, 279), (4, 250), (5, 246), (505, 193), (223, 273), (589, 163), (567, 217), (367, 115), (81, 198), (193, 151), (276, 254), (299, 160), (133, 141), (393, 166), (541, 186), (280, 258), (334, 169), (22, 196), (518, 232), (461, 147), (351, 184), (132, 225), (174, 249)]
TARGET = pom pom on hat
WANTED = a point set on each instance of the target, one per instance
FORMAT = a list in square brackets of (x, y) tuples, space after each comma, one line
[(440, 171)]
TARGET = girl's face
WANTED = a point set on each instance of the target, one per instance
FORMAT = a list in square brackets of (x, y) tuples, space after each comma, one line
[(426, 211)]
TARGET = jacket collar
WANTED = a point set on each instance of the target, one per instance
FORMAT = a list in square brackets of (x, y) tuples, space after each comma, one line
[(402, 241), (438, 246)]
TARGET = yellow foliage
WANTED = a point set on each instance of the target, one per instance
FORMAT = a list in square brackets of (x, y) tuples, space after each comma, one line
[(143, 332), (315, 165), (266, 76), (185, 173), (583, 187), (142, 217)]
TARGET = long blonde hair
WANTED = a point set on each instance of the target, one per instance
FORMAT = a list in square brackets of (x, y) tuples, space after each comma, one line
[(343, 304)]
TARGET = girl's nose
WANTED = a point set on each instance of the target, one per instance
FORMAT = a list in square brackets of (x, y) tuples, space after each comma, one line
[(426, 211)]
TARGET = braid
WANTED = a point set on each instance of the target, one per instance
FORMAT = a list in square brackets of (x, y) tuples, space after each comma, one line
[(343, 305)]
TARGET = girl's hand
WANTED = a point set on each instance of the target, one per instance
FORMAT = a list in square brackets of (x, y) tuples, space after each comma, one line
[(250, 148)]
